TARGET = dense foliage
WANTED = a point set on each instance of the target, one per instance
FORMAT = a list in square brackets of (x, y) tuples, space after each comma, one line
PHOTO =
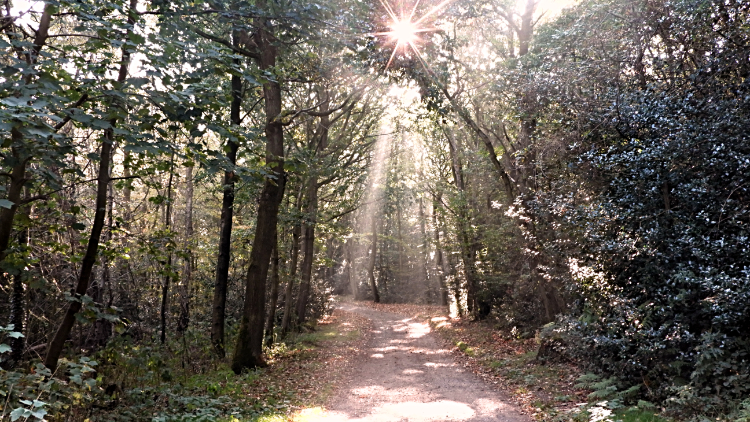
[(203, 176), (662, 271)]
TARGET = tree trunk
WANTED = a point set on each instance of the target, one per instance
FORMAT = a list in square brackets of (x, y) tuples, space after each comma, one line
[(424, 252), (126, 190), (467, 256), (102, 328), (168, 273), (455, 283), (465, 236), (317, 145), (371, 266), (187, 271), (18, 304), (351, 278), (218, 314), (55, 347), (443, 289), (527, 27), (383, 268), (18, 173), (290, 283), (17, 181), (274, 291), (308, 250), (17, 319), (249, 350)]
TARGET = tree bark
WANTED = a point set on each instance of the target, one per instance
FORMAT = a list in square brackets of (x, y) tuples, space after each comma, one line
[(308, 250), (187, 271), (318, 144), (465, 236), (218, 314), (168, 274), (290, 283), (127, 190), (249, 350), (371, 266), (274, 291), (102, 328), (424, 252), (351, 277), (57, 343), (18, 304), (443, 289), (18, 173), (15, 189), (527, 27)]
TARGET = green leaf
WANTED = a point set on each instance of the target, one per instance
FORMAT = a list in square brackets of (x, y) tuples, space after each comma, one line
[(138, 82), (6, 204), (39, 414), (39, 131), (4, 348), (18, 413), (8, 71), (100, 124), (15, 102), (136, 38)]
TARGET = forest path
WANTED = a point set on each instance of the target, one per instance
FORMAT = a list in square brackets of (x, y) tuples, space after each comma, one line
[(406, 375)]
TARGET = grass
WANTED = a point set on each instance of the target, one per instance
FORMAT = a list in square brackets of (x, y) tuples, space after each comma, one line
[(638, 416)]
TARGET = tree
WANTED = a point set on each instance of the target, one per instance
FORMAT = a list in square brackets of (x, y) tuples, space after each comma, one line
[(103, 179)]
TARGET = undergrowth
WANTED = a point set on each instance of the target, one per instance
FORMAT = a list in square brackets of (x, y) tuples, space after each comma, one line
[(549, 389), (182, 381)]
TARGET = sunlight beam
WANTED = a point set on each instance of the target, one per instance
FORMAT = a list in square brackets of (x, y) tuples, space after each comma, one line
[(395, 49), (388, 9), (413, 10), (433, 10)]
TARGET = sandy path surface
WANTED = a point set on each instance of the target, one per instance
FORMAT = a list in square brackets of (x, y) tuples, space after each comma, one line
[(406, 375)]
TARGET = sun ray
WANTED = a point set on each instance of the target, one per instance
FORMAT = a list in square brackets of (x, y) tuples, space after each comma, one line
[(388, 9), (416, 31), (433, 10), (404, 30), (413, 9), (421, 60), (395, 49)]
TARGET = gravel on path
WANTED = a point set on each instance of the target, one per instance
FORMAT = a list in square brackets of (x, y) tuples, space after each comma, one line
[(407, 376)]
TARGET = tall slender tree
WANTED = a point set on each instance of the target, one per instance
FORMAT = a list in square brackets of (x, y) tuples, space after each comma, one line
[(57, 343)]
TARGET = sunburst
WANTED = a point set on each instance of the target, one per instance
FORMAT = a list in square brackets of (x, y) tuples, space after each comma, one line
[(405, 31)]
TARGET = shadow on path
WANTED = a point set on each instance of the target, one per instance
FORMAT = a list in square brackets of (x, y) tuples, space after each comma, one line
[(408, 376)]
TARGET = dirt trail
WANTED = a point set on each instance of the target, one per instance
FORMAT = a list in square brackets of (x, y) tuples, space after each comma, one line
[(407, 376)]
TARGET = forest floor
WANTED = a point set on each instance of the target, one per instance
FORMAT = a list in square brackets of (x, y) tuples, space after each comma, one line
[(409, 373), (301, 374), (363, 363), (421, 365), (493, 364)]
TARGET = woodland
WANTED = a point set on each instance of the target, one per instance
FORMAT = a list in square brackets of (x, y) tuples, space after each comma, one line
[(194, 180)]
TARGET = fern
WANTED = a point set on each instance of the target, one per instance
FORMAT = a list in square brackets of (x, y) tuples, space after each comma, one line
[(607, 388)]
